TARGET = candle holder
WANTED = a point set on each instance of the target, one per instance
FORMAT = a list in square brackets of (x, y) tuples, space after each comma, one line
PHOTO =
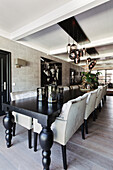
[(52, 93), (41, 93)]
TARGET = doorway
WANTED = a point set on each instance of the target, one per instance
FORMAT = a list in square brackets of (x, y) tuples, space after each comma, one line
[(5, 78)]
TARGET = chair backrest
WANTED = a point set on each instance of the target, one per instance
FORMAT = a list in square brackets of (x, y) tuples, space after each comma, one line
[(75, 116), (65, 88), (66, 107), (90, 103), (22, 95), (105, 90), (74, 87), (99, 96)]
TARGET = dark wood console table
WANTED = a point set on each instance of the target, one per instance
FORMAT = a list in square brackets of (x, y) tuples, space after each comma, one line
[(46, 114)]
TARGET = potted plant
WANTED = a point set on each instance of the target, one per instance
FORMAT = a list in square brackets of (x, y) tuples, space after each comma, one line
[(89, 80)]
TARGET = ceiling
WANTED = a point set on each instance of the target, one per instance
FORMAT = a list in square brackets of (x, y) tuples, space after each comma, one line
[(35, 24)]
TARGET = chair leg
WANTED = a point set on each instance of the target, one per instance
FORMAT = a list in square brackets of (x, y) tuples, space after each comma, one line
[(14, 127), (35, 141), (94, 115), (29, 138), (64, 156), (105, 97), (86, 126), (99, 107), (82, 130), (103, 101)]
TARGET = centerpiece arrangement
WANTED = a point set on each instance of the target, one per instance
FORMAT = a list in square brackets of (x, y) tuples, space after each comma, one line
[(50, 93)]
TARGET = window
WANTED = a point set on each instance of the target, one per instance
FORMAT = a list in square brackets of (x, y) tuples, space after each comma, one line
[(102, 77), (109, 76), (106, 76)]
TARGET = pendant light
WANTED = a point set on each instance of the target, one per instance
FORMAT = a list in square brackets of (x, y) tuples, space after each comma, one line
[(68, 48), (69, 45), (73, 47), (84, 51)]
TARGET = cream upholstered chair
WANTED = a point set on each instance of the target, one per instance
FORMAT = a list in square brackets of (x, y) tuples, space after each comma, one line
[(74, 87), (105, 91), (70, 119), (90, 107), (98, 98), (64, 88), (20, 119)]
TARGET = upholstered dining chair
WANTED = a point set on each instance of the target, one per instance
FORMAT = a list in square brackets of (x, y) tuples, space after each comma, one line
[(90, 107), (20, 119), (98, 98), (70, 119), (74, 87), (105, 91), (65, 88)]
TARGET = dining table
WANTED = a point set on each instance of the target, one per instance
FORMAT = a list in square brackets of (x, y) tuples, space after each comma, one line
[(44, 112)]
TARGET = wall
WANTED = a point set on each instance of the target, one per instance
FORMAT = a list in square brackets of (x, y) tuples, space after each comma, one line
[(28, 77)]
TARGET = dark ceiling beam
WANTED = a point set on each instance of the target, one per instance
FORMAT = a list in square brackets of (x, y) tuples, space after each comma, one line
[(72, 27), (92, 51)]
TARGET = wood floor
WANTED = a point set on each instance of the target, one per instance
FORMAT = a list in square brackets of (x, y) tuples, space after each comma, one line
[(93, 153)]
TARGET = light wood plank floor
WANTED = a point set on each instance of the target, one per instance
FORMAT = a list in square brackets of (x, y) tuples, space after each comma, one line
[(93, 153)]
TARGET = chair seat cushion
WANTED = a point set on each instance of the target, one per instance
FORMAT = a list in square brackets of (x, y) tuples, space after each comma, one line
[(23, 95), (23, 120)]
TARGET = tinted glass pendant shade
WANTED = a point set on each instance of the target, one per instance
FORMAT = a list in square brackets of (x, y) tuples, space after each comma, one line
[(81, 53), (73, 47), (84, 51), (72, 54), (88, 59), (92, 64), (77, 60), (77, 53)]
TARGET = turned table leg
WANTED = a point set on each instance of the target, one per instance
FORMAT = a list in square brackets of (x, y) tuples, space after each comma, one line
[(8, 121), (46, 142)]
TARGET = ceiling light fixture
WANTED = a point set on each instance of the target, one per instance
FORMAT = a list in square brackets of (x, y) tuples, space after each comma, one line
[(68, 48), (73, 51), (69, 45), (91, 63)]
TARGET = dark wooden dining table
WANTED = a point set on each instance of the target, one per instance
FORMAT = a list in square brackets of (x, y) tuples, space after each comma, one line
[(46, 114)]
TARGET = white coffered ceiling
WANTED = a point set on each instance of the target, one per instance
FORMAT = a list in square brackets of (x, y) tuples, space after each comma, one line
[(16, 14), (34, 23)]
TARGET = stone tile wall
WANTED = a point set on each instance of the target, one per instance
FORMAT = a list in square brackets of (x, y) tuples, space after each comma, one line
[(28, 77)]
